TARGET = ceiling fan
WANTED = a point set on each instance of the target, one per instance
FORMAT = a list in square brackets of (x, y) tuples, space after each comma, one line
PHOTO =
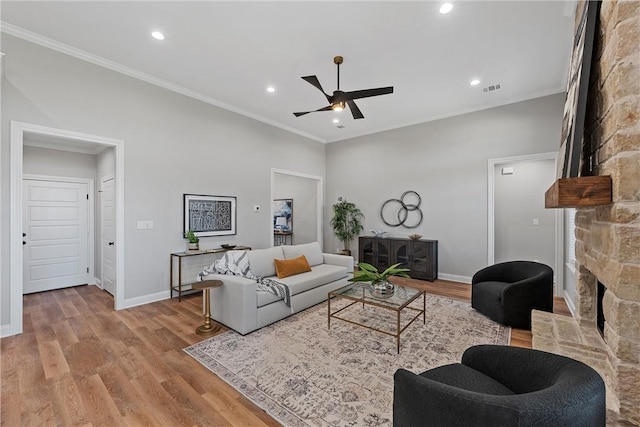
[(339, 98)]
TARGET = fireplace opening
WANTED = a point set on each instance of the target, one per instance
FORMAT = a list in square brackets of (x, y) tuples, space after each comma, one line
[(600, 313)]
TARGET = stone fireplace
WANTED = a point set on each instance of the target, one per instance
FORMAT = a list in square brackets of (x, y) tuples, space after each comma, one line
[(608, 237)]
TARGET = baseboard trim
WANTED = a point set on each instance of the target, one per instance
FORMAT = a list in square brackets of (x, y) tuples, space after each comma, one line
[(97, 282), (146, 299), (570, 304), (9, 330), (454, 278)]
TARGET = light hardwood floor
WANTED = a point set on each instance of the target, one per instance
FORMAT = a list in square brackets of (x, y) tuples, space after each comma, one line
[(79, 362)]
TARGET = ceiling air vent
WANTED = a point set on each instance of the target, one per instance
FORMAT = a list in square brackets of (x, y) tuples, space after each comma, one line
[(491, 88)]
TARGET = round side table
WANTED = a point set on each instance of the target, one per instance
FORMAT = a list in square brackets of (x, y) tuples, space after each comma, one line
[(208, 328)]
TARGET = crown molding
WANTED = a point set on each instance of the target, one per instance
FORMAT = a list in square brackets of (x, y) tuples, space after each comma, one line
[(38, 39)]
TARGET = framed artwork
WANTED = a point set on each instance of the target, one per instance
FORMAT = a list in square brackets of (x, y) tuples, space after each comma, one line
[(209, 215), (575, 105), (283, 215)]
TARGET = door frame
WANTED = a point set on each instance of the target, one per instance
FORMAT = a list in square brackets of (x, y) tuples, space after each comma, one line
[(319, 200), (90, 214), (18, 131), (102, 180), (559, 221)]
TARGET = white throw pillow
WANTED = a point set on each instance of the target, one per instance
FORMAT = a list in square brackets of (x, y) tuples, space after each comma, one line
[(311, 251), (261, 261)]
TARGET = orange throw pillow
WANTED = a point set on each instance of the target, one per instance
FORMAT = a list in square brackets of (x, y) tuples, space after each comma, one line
[(290, 267)]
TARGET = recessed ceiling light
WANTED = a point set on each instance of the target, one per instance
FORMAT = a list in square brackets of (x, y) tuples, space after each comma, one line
[(474, 82), (271, 89), (157, 35), (336, 121), (446, 8)]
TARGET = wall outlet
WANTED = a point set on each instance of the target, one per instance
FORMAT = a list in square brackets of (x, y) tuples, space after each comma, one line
[(256, 208), (536, 221)]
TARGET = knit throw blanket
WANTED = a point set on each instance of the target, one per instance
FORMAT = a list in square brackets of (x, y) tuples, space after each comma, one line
[(236, 263)]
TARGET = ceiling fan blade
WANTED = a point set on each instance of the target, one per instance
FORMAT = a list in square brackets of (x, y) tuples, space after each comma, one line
[(315, 82), (366, 93), (327, 108), (355, 111)]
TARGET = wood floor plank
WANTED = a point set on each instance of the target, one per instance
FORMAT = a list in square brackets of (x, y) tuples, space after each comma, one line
[(128, 367), (65, 334), (131, 405), (67, 402), (36, 407), (191, 402), (53, 361), (98, 402), (165, 408), (10, 409)]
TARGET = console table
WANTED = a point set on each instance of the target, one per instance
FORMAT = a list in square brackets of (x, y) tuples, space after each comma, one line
[(419, 256), (280, 238), (185, 266)]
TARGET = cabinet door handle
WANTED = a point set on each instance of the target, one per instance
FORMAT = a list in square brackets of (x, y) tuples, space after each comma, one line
[(110, 243)]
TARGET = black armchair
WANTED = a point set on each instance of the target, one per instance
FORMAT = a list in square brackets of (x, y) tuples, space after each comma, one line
[(501, 386), (507, 292)]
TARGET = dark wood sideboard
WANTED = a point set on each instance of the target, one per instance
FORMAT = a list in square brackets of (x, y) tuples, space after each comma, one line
[(420, 256)]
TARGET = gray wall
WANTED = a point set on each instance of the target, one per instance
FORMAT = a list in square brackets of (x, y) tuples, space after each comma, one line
[(445, 161), (43, 161), (519, 198), (305, 206), (172, 144)]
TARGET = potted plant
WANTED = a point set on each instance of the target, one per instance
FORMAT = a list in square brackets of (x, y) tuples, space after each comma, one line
[(193, 240), (346, 222), (380, 284)]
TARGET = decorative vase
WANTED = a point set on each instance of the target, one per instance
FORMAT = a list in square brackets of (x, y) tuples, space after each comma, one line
[(381, 288), (194, 246)]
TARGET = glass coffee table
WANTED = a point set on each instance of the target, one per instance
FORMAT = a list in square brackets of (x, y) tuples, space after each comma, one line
[(398, 302)]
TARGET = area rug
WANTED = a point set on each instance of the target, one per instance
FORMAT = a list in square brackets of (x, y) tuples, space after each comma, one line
[(304, 374)]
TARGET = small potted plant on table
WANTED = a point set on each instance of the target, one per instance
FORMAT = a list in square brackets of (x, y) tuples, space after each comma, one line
[(379, 281), (193, 240)]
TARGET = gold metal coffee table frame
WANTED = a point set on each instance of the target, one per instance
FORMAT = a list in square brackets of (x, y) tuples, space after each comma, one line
[(400, 300)]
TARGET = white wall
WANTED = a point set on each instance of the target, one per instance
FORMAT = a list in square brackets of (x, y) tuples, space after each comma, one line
[(172, 145), (43, 161), (445, 161), (305, 204), (519, 198)]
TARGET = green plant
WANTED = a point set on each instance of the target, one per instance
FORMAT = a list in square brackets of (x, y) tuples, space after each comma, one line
[(368, 273), (191, 236), (347, 221)]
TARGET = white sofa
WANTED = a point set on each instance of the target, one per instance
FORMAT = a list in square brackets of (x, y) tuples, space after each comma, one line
[(240, 306)]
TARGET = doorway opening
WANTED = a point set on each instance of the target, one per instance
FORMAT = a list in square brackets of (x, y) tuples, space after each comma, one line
[(309, 190), (517, 220), (72, 141)]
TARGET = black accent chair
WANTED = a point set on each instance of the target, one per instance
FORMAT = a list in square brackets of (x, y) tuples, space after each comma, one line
[(497, 386), (508, 291)]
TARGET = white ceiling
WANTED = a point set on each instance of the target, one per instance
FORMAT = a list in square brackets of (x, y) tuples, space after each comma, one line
[(227, 53)]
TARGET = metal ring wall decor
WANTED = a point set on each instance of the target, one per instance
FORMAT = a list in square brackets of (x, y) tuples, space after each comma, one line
[(403, 210)]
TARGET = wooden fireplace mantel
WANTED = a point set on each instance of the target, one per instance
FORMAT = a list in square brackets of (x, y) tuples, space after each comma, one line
[(579, 192)]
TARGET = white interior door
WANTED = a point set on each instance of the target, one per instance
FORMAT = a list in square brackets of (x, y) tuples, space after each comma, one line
[(108, 233), (55, 235)]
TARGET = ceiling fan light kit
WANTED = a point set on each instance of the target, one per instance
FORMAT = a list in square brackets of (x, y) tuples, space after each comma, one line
[(339, 98)]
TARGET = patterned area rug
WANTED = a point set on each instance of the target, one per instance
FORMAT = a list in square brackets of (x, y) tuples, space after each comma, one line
[(304, 374)]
